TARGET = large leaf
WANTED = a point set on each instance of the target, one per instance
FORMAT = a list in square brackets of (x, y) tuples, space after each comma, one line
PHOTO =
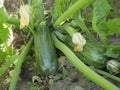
[(113, 26), (101, 9), (100, 12)]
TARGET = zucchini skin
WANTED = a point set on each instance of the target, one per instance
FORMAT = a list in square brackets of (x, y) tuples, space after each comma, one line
[(92, 54), (45, 55)]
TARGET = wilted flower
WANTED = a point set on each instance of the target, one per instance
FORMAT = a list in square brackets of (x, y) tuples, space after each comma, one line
[(113, 66), (1, 3), (79, 41), (24, 16)]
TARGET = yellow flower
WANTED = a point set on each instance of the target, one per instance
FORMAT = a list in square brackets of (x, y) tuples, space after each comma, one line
[(79, 41), (24, 16)]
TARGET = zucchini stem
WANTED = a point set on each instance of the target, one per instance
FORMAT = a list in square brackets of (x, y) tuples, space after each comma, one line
[(106, 74), (17, 69), (75, 7), (115, 47), (69, 30), (82, 67)]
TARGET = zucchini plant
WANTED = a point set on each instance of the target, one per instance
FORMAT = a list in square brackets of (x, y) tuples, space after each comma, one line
[(91, 52), (82, 67)]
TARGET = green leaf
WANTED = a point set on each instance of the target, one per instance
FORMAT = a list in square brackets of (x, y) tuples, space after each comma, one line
[(101, 9), (64, 73), (58, 76), (2, 56), (4, 32), (3, 15), (8, 62), (51, 82), (113, 26), (111, 53), (5, 51)]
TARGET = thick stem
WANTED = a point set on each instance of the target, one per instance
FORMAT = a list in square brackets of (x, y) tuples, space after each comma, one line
[(83, 68), (17, 69), (69, 30), (75, 7), (106, 74), (117, 48), (6, 65)]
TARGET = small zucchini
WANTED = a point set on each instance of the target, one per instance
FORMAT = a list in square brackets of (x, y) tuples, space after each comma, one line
[(46, 59), (92, 54)]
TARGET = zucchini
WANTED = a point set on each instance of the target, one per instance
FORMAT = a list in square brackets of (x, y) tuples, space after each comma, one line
[(92, 54), (46, 59)]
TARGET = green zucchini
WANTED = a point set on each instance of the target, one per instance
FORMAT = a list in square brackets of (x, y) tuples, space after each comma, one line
[(46, 59), (92, 54)]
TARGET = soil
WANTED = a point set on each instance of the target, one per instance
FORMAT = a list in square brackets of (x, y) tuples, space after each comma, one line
[(73, 80)]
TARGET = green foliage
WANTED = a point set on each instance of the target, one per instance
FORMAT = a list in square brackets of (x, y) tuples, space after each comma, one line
[(5, 51), (82, 67), (64, 73), (3, 15), (2, 55), (62, 5), (80, 21), (51, 82), (113, 26), (7, 63), (58, 76), (64, 10), (4, 32), (101, 9), (38, 14), (78, 5), (110, 52), (17, 69)]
